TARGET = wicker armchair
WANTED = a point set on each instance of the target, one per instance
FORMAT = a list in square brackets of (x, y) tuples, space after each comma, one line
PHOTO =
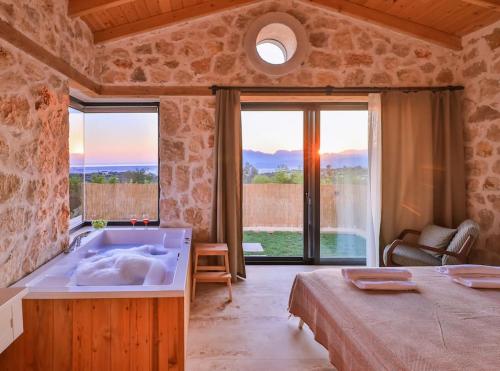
[(404, 253)]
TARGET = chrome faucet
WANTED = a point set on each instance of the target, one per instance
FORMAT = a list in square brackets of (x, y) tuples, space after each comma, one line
[(76, 242)]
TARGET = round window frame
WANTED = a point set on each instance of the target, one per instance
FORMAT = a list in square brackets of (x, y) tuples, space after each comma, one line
[(276, 43), (297, 58)]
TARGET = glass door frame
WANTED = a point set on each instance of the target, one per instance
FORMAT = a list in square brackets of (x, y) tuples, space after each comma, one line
[(287, 259), (312, 172), (315, 183)]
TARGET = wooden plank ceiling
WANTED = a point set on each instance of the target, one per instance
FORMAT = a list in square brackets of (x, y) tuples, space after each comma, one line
[(443, 22)]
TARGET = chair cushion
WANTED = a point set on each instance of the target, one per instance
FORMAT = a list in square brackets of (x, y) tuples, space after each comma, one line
[(465, 229), (436, 236), (409, 256)]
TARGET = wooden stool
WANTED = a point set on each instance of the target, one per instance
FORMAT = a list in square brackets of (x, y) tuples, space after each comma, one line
[(211, 273)]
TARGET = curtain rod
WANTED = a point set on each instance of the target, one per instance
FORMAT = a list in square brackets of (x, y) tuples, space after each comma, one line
[(328, 90)]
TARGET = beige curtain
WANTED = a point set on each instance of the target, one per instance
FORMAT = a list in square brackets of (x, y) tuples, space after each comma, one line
[(423, 177), (449, 158), (227, 219), (374, 197)]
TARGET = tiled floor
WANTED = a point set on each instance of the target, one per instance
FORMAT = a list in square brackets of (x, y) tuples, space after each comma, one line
[(254, 331)]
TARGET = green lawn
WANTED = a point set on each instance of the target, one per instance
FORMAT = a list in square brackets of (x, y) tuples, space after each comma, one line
[(291, 244)]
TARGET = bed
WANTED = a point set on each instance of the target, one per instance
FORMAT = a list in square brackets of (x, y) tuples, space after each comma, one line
[(444, 326)]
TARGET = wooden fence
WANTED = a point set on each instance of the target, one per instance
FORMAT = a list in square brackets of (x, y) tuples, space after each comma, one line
[(120, 201), (264, 205), (281, 206)]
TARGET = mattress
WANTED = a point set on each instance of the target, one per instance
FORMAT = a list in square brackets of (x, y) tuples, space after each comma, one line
[(443, 326)]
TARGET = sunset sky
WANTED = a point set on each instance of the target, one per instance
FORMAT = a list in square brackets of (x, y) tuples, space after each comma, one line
[(132, 138), (269, 131), (115, 138)]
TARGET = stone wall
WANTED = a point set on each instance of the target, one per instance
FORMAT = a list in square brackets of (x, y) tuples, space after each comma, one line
[(34, 161), (204, 52), (344, 52), (46, 22), (481, 75), (34, 212), (187, 130)]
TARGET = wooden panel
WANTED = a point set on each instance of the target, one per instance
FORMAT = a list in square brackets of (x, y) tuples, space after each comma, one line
[(42, 322), (438, 21), (100, 334), (165, 6), (82, 334), (176, 4), (450, 16), (153, 91), (392, 22), (488, 4), (77, 8), (63, 330), (140, 334), (172, 17), (120, 334)]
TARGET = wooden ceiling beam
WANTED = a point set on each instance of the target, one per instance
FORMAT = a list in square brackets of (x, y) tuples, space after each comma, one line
[(395, 23), (489, 4), (164, 19), (151, 91), (78, 8)]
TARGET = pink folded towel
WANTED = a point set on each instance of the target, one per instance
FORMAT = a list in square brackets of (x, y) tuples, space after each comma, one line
[(479, 282), (385, 285), (469, 270), (387, 274)]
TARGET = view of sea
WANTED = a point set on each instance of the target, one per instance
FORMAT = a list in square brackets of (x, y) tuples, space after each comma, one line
[(153, 169)]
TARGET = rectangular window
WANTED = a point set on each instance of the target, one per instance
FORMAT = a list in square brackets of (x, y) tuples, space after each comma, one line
[(76, 156), (119, 164)]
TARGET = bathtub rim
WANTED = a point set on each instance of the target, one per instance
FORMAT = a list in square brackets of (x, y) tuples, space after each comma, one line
[(176, 289)]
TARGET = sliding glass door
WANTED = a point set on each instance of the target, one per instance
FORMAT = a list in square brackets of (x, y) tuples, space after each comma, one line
[(305, 182), (273, 183), (343, 170)]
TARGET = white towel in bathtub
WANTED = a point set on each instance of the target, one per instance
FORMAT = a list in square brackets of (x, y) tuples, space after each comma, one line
[(134, 266)]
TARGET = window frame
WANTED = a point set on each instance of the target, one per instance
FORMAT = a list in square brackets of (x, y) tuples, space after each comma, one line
[(276, 43), (121, 107), (311, 230), (76, 222)]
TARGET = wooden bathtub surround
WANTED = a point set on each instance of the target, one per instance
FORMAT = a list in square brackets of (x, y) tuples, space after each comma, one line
[(100, 334), (211, 273)]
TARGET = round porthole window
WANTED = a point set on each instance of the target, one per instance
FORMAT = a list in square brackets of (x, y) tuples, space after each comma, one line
[(272, 51), (276, 43)]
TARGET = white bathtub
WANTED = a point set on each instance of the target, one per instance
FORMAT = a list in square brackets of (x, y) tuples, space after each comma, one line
[(54, 279)]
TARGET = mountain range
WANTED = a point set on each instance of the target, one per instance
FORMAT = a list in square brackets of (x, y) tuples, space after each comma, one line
[(294, 159)]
